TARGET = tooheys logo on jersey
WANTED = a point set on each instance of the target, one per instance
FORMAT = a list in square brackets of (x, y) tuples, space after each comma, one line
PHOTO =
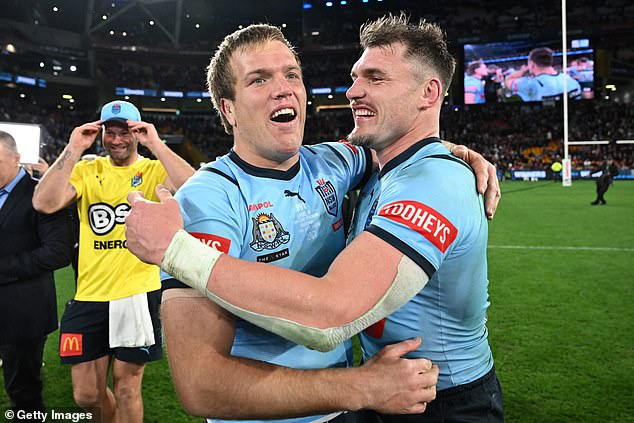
[(215, 241), (103, 217), (422, 219)]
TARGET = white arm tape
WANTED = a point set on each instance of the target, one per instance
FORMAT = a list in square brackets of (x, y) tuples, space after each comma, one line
[(191, 262), (409, 280)]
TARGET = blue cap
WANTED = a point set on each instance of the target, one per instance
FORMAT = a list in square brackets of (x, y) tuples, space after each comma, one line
[(120, 111)]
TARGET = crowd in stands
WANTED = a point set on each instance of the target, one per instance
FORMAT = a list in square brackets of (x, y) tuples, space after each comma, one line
[(339, 26), (142, 74), (513, 136), (529, 136)]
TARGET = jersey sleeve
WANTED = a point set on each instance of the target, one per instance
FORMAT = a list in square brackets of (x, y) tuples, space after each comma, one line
[(470, 85), (423, 209), (77, 177), (353, 164), (214, 212), (525, 88), (573, 87)]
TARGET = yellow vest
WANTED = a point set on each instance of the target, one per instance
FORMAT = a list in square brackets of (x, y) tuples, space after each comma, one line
[(107, 270)]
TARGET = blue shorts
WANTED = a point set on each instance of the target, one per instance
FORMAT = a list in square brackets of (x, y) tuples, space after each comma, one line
[(84, 333)]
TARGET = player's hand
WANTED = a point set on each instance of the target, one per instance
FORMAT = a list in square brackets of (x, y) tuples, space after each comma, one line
[(145, 133), (398, 385), (84, 136), (486, 177), (150, 226)]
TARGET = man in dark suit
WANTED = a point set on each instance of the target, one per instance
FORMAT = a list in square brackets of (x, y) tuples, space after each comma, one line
[(32, 246)]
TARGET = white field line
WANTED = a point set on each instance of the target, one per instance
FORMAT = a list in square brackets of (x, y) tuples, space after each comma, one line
[(558, 247)]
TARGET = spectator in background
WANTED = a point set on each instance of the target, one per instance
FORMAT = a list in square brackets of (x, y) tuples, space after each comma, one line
[(556, 168), (36, 170), (494, 84), (115, 309), (32, 246), (539, 81), (474, 82), (609, 171)]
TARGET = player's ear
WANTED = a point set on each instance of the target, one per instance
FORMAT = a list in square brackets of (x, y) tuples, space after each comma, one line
[(430, 92), (227, 109)]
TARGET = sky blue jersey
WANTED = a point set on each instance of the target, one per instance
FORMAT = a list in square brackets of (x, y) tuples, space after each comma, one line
[(425, 204), (545, 87), (475, 86), (287, 218)]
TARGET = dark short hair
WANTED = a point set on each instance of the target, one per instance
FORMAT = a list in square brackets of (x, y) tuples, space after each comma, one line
[(425, 42), (473, 66), (221, 80), (541, 56)]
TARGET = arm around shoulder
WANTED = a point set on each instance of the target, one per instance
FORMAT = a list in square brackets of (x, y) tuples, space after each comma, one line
[(315, 312)]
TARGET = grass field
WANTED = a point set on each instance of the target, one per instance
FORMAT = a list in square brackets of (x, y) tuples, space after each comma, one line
[(561, 322)]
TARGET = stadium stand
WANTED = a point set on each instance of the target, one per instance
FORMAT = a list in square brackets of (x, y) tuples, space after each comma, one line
[(148, 60)]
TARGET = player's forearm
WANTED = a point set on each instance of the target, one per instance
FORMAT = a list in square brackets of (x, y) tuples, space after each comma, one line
[(248, 389), (510, 79), (315, 312), (177, 168), (212, 383), (53, 192), (280, 292)]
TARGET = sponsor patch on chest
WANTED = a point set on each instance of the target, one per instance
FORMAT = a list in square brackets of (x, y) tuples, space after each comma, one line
[(428, 222)]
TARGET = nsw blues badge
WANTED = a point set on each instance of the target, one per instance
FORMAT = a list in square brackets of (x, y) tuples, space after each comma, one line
[(328, 195)]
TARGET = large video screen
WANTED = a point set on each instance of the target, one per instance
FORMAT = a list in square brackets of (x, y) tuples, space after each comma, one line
[(527, 70), (27, 138)]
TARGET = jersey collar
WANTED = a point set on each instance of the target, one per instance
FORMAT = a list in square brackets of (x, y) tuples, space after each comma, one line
[(406, 154), (262, 172)]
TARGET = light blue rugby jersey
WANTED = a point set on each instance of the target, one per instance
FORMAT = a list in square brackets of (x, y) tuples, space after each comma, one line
[(286, 218), (425, 204), (474, 86), (545, 87)]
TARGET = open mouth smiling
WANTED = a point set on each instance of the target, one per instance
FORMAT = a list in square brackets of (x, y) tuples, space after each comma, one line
[(284, 115)]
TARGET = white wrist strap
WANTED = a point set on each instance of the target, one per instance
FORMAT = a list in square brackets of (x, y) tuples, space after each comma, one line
[(409, 280), (190, 261)]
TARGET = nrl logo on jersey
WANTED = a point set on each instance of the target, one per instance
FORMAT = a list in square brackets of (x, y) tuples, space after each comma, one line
[(268, 233), (328, 195), (137, 179)]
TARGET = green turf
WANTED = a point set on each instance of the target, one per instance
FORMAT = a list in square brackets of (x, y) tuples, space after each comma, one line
[(561, 320)]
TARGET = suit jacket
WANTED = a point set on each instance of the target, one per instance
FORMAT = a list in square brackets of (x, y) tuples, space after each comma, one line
[(32, 246)]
